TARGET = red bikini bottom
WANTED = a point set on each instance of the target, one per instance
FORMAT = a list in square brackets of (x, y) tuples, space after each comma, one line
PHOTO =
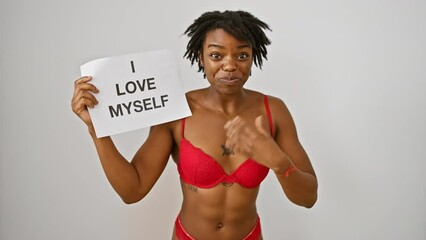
[(181, 233)]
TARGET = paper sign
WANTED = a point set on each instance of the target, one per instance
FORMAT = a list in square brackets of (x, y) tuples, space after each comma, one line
[(135, 91)]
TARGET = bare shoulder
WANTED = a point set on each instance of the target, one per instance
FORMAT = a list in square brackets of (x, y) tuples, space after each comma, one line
[(193, 98), (255, 97), (277, 105), (280, 113)]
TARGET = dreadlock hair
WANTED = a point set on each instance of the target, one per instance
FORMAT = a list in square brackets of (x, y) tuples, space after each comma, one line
[(240, 24)]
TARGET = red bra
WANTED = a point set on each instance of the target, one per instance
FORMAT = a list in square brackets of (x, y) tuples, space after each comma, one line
[(201, 170)]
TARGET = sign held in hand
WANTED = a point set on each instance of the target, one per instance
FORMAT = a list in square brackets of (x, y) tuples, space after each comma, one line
[(135, 91)]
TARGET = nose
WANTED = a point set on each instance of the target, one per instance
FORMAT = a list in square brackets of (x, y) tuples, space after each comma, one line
[(229, 64)]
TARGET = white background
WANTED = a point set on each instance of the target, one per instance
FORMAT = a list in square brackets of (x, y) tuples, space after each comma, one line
[(351, 72)]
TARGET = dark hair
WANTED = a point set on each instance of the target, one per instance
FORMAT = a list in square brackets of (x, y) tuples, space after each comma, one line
[(240, 24)]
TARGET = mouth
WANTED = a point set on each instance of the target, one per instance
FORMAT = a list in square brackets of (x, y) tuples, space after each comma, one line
[(229, 80)]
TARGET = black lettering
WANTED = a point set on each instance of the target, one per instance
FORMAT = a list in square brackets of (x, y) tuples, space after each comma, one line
[(155, 105), (114, 112), (138, 106), (141, 87), (146, 103), (133, 66), (127, 107), (151, 83), (164, 99), (118, 90), (132, 88)]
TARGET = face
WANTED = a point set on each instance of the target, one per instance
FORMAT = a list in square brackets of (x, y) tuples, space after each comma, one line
[(226, 60)]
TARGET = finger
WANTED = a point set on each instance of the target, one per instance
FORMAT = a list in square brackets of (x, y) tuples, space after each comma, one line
[(78, 108), (83, 85), (232, 132), (83, 95), (87, 87), (81, 105), (260, 126), (82, 80), (86, 95), (232, 122), (234, 126), (229, 123), (90, 97), (226, 126), (229, 147)]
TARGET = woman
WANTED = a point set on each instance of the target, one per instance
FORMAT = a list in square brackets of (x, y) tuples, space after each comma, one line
[(226, 148)]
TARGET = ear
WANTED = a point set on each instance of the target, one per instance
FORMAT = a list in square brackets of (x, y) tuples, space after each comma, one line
[(200, 57)]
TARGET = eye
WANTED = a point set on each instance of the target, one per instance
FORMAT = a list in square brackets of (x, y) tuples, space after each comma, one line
[(214, 56), (243, 56)]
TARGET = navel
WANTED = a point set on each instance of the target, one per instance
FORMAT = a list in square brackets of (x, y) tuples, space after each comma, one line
[(219, 226)]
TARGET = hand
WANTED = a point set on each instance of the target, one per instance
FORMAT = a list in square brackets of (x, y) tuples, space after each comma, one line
[(243, 137), (254, 141), (83, 98)]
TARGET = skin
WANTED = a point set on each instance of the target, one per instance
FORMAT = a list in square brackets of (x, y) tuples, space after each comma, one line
[(236, 118)]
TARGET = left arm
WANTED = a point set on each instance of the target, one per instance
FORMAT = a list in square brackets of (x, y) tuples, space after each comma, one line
[(301, 185)]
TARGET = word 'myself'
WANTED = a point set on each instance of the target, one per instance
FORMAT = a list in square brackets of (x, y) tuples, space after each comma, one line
[(137, 106)]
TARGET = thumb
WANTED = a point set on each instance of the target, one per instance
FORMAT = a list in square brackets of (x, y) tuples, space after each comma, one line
[(260, 126)]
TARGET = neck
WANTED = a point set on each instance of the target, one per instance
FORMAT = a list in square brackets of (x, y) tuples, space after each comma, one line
[(226, 103)]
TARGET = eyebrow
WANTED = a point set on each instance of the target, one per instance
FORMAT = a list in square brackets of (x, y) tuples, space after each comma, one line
[(220, 46)]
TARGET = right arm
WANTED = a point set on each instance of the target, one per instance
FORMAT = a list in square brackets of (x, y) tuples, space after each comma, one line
[(131, 180)]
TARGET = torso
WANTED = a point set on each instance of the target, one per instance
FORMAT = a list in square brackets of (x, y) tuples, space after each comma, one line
[(221, 211)]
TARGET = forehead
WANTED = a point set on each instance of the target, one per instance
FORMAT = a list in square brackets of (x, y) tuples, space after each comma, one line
[(220, 37)]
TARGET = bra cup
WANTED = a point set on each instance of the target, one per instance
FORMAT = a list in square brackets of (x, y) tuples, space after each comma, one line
[(201, 170), (251, 175)]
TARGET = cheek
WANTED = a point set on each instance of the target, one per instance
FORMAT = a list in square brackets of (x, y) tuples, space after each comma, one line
[(246, 67), (212, 68)]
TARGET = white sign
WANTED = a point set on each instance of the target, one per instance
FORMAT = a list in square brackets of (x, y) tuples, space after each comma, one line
[(135, 91)]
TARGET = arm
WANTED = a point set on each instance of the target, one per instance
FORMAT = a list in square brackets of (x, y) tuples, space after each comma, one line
[(132, 181), (301, 185)]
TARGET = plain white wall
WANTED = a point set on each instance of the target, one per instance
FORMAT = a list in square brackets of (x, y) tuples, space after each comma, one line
[(353, 73)]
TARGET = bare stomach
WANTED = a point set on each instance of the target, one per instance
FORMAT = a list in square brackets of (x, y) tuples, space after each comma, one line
[(222, 212)]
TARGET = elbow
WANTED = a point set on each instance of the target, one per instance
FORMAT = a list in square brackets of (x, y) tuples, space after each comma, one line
[(313, 198), (131, 199), (311, 203), (308, 200)]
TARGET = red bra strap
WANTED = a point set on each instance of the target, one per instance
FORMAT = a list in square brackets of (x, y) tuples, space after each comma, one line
[(268, 113), (183, 126)]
